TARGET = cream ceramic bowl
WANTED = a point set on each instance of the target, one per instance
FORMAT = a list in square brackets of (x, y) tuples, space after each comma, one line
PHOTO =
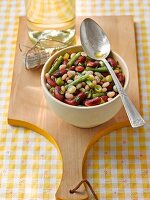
[(83, 117)]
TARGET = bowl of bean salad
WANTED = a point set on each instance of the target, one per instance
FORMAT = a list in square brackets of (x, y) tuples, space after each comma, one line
[(80, 90)]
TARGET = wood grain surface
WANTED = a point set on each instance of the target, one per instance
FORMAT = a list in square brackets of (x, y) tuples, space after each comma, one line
[(28, 107)]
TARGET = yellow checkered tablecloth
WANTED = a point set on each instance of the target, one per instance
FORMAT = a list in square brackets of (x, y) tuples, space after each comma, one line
[(118, 165)]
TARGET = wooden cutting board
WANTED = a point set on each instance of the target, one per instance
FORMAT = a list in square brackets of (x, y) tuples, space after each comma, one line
[(28, 107)]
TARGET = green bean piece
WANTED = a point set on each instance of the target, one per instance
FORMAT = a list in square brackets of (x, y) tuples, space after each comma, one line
[(52, 91), (56, 65), (88, 94), (98, 94), (101, 77), (90, 84), (79, 80), (102, 64), (59, 81), (73, 59), (98, 88), (109, 78), (100, 69), (119, 69), (91, 78)]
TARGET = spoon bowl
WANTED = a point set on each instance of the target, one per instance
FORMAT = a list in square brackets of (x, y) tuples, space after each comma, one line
[(96, 45), (94, 40)]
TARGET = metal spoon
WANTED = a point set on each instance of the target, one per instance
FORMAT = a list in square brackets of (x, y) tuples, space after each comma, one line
[(96, 45)]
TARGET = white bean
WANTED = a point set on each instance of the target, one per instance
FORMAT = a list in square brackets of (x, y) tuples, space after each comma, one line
[(83, 84), (109, 99), (68, 95), (115, 88), (52, 77), (69, 81), (97, 79), (106, 84), (64, 77), (63, 89), (48, 86), (94, 82), (73, 54), (87, 87), (67, 78), (83, 54), (97, 73), (47, 75), (104, 89), (116, 71), (76, 77), (70, 73), (84, 72), (101, 63), (62, 67), (90, 72), (111, 94), (79, 85), (82, 89)]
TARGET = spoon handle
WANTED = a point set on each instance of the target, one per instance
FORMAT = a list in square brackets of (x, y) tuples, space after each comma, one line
[(134, 116)]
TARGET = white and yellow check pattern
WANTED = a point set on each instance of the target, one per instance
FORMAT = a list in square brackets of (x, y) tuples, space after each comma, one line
[(118, 166)]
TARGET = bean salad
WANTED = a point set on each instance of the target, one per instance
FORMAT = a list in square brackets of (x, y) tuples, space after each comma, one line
[(78, 80)]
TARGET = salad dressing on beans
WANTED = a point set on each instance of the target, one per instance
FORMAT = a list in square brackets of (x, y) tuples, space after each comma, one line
[(78, 80)]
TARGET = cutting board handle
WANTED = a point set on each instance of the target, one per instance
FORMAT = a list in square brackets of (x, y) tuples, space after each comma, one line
[(72, 174)]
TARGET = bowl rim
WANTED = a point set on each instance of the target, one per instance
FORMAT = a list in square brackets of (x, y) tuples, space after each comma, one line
[(79, 107)]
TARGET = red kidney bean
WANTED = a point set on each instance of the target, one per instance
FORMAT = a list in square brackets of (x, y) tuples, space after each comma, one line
[(59, 73), (71, 102), (77, 100), (97, 63), (77, 92), (110, 87), (91, 64), (121, 77), (57, 93), (80, 97), (81, 59), (116, 93), (122, 83), (50, 81), (72, 68), (76, 62), (104, 98), (79, 69), (101, 83), (112, 62), (105, 73), (93, 102)]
